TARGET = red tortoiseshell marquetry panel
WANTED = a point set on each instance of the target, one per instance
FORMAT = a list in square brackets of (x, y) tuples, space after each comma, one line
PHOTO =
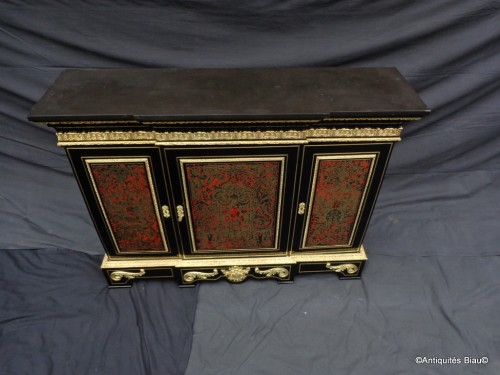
[(234, 205), (125, 193), (338, 194)]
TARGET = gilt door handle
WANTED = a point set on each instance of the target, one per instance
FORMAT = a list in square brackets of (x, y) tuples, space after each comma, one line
[(302, 208), (180, 213)]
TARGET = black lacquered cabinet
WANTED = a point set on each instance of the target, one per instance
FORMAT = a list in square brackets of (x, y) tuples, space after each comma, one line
[(208, 174)]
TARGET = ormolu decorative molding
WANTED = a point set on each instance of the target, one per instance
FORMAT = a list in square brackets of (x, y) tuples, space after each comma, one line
[(350, 268), (233, 137), (277, 134), (192, 276), (280, 272), (236, 274), (119, 275), (105, 137)]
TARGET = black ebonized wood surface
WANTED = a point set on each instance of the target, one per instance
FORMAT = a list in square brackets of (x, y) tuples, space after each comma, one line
[(221, 94)]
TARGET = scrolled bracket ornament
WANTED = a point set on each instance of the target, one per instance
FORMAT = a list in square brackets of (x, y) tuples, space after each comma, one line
[(276, 272), (117, 276), (192, 276), (236, 274), (349, 268)]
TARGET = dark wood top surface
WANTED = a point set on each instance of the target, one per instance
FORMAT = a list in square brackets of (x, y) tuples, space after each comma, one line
[(227, 94)]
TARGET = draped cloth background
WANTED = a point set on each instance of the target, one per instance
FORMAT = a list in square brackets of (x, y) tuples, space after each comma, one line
[(431, 287)]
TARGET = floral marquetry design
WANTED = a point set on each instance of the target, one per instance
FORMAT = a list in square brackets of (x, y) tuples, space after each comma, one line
[(125, 194), (234, 205), (338, 194)]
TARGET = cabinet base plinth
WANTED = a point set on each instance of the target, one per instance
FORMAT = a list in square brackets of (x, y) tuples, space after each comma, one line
[(188, 272)]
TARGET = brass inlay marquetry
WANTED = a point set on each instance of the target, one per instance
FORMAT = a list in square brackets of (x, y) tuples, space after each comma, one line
[(143, 160), (318, 159), (119, 275), (186, 194)]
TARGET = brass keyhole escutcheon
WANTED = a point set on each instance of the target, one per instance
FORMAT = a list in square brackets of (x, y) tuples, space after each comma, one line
[(180, 213), (166, 211)]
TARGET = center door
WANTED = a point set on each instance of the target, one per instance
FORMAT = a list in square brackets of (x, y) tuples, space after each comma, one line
[(233, 200)]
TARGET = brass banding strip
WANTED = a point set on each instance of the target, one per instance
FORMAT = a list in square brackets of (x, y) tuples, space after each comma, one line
[(357, 255)]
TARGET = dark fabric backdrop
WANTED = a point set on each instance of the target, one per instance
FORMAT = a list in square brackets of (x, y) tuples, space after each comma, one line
[(431, 286)]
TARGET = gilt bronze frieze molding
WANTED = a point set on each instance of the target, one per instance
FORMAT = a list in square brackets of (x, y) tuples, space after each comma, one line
[(237, 274)]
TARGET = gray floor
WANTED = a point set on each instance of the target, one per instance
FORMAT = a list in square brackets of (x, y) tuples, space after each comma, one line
[(403, 308)]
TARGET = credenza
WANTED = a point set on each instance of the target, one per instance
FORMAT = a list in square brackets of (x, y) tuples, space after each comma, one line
[(208, 174)]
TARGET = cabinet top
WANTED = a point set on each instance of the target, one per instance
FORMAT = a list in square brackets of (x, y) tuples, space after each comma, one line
[(227, 94)]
